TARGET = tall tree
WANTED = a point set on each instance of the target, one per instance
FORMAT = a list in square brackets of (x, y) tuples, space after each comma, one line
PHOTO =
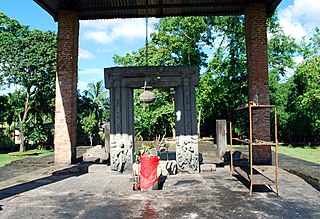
[(28, 59), (223, 82), (304, 97), (281, 51), (226, 72), (93, 108), (176, 42), (98, 95)]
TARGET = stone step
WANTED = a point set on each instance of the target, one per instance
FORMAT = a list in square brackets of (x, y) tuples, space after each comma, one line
[(207, 167), (99, 168), (91, 159)]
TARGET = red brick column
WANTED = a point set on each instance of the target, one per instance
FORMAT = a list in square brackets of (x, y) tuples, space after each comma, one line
[(257, 60), (66, 87)]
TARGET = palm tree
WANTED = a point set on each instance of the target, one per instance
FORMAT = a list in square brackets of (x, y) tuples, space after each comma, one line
[(98, 95)]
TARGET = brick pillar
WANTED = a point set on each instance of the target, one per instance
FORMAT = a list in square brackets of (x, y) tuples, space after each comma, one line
[(257, 60), (66, 87)]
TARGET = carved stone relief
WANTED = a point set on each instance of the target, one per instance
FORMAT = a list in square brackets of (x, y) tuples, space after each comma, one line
[(187, 153), (121, 153)]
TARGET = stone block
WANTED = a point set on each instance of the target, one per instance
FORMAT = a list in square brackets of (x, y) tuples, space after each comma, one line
[(99, 168), (207, 167), (96, 152)]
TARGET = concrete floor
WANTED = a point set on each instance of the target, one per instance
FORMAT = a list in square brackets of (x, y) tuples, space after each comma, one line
[(58, 192)]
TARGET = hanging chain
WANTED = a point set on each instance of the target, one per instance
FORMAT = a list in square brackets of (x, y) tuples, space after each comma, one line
[(147, 27), (147, 44), (147, 96)]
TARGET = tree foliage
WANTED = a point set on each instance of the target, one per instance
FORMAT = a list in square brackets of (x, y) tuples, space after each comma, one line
[(157, 118), (28, 60), (93, 109), (223, 82)]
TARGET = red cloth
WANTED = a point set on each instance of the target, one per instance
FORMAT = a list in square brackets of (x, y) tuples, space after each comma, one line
[(148, 170)]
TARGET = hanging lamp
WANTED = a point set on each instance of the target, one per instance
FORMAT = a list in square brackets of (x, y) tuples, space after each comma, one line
[(147, 96)]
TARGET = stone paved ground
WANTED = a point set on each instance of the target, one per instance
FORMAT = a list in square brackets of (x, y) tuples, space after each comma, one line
[(305, 169), (68, 194), (51, 191)]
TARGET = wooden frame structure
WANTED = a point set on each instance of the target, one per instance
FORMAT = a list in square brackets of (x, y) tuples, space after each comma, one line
[(252, 173)]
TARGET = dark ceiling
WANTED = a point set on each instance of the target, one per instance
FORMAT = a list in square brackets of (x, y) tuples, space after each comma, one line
[(109, 9)]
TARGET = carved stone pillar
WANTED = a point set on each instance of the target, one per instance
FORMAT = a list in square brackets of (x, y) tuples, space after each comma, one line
[(186, 127), (121, 129)]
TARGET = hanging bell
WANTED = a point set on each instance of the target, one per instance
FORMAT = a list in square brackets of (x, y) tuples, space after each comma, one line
[(147, 96)]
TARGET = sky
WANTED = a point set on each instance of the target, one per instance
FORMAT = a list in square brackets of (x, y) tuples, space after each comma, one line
[(99, 40)]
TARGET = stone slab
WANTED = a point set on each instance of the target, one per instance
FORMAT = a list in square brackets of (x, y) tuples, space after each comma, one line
[(99, 168), (207, 168)]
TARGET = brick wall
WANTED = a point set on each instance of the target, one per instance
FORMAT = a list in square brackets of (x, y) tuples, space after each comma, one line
[(66, 87), (257, 60)]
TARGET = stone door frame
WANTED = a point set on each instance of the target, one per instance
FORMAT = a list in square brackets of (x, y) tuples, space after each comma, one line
[(122, 80)]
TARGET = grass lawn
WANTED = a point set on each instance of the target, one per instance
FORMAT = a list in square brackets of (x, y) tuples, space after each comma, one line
[(307, 153), (8, 157)]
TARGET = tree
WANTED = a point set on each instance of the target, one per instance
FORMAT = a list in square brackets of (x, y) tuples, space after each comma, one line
[(28, 59), (94, 105), (98, 95), (281, 50), (223, 82), (176, 42), (223, 86), (155, 118), (304, 101), (90, 126)]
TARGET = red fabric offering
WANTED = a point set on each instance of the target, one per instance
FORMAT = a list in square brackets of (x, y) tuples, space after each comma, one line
[(148, 171)]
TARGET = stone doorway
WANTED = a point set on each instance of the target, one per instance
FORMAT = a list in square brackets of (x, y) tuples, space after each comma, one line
[(122, 80)]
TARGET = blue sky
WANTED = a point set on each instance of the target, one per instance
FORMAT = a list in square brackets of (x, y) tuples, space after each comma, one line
[(101, 39)]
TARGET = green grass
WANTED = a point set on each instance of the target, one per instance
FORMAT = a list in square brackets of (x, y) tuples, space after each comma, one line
[(8, 157), (307, 153)]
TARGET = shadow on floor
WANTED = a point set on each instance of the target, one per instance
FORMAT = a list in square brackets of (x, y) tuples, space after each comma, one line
[(55, 177)]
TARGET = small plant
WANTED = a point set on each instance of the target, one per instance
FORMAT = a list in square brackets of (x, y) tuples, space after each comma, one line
[(145, 149)]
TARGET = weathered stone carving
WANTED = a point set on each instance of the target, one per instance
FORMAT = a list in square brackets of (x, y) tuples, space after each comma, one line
[(187, 153), (121, 155)]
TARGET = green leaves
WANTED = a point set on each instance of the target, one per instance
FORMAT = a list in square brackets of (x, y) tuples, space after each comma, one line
[(28, 60), (151, 120), (223, 83), (93, 109)]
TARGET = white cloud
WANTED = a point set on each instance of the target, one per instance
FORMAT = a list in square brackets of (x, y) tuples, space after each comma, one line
[(82, 85), (107, 31), (98, 36), (300, 18), (89, 75), (91, 71), (85, 54)]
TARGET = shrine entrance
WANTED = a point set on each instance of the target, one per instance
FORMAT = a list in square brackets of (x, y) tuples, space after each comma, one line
[(68, 13), (122, 80)]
